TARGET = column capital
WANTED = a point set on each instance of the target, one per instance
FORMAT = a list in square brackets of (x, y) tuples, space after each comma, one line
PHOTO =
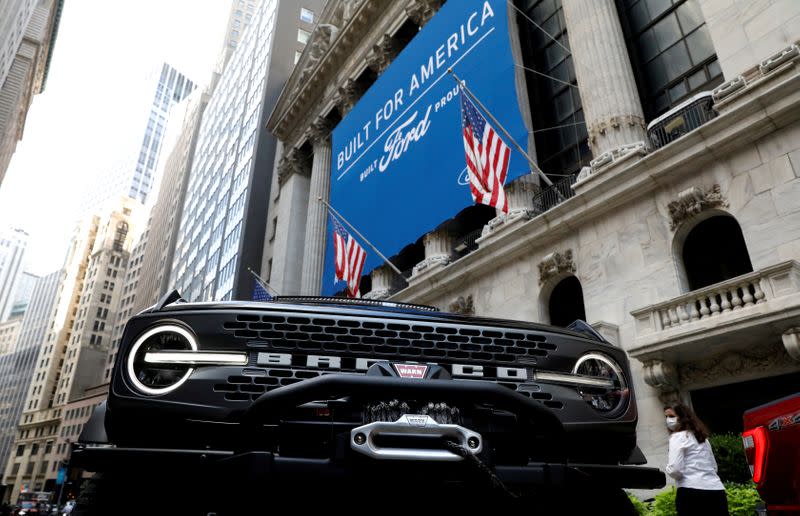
[(383, 53), (294, 161), (421, 11), (320, 131), (348, 94)]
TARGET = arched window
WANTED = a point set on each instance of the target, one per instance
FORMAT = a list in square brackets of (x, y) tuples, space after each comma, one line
[(714, 251), (566, 302)]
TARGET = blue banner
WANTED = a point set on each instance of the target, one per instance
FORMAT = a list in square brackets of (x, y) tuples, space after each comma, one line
[(399, 168)]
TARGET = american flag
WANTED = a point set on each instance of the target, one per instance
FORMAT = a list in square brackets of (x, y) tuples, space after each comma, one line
[(349, 258), (259, 292), (487, 157)]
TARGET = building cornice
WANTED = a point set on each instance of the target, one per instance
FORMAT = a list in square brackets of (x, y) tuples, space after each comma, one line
[(320, 62), (769, 105)]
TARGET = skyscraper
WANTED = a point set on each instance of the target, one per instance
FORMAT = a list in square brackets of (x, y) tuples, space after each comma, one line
[(23, 293), (239, 20), (223, 220), (135, 174), (28, 30), (17, 362), (71, 359), (12, 251)]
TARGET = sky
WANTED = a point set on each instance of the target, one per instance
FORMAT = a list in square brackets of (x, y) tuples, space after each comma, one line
[(82, 124)]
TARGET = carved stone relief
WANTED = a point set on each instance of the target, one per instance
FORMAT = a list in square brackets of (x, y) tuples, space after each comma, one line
[(692, 201), (462, 305), (710, 370), (555, 264)]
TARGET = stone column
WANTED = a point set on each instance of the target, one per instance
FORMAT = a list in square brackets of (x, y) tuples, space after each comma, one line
[(608, 91), (288, 248), (520, 194), (383, 283), (438, 250), (316, 218)]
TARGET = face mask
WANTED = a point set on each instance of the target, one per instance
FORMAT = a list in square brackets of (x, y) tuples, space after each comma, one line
[(672, 423)]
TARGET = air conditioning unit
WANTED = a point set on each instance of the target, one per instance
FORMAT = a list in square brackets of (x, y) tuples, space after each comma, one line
[(681, 119)]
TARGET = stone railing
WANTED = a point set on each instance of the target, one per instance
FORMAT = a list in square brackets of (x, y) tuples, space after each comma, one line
[(737, 294)]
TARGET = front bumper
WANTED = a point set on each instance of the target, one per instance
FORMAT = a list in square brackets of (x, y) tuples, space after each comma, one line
[(268, 466)]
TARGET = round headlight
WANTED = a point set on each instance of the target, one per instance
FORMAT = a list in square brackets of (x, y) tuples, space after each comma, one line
[(611, 397), (159, 378)]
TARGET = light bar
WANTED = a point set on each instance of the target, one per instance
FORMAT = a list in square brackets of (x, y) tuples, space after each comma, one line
[(572, 379), (195, 358)]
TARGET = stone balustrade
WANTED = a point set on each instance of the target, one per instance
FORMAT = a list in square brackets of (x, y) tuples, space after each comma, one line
[(732, 303), (710, 302)]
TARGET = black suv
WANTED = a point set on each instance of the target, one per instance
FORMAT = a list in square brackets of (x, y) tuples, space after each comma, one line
[(322, 401)]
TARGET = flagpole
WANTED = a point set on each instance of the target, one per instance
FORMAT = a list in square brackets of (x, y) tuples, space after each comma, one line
[(500, 126), (263, 283), (339, 215)]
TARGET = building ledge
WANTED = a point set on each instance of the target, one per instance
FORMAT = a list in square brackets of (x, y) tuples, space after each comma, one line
[(735, 313), (773, 104)]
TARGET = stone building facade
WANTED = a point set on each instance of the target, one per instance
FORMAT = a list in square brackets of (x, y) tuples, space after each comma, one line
[(684, 251), (70, 360)]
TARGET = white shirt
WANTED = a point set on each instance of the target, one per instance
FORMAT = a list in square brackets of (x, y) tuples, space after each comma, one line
[(692, 464)]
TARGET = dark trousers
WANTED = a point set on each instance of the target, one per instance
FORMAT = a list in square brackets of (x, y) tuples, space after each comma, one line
[(690, 502)]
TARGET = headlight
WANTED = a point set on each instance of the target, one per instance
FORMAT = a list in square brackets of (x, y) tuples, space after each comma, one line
[(159, 378), (603, 399)]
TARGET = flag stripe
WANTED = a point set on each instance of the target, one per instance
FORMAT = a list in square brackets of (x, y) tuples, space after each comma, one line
[(487, 157)]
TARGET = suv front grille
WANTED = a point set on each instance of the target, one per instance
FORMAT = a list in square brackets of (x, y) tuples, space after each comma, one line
[(389, 339)]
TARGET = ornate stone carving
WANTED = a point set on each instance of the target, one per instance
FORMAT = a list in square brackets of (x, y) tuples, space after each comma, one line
[(344, 11), (692, 201), (321, 40), (294, 161), (661, 375), (348, 94), (463, 305), (791, 342), (383, 53), (421, 11), (320, 130), (765, 359), (614, 122), (555, 264), (623, 152)]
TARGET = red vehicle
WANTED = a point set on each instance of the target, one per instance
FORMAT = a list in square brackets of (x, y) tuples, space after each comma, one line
[(771, 440)]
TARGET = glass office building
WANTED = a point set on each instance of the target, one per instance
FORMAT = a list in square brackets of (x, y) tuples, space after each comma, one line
[(224, 213), (172, 87)]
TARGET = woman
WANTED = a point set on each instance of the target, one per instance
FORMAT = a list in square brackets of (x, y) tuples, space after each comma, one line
[(692, 465)]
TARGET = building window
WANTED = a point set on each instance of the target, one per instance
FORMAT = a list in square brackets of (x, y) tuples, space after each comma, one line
[(20, 450), (715, 251), (306, 15), (566, 302), (29, 468), (297, 54), (671, 51), (302, 36), (48, 447), (560, 132), (15, 469)]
